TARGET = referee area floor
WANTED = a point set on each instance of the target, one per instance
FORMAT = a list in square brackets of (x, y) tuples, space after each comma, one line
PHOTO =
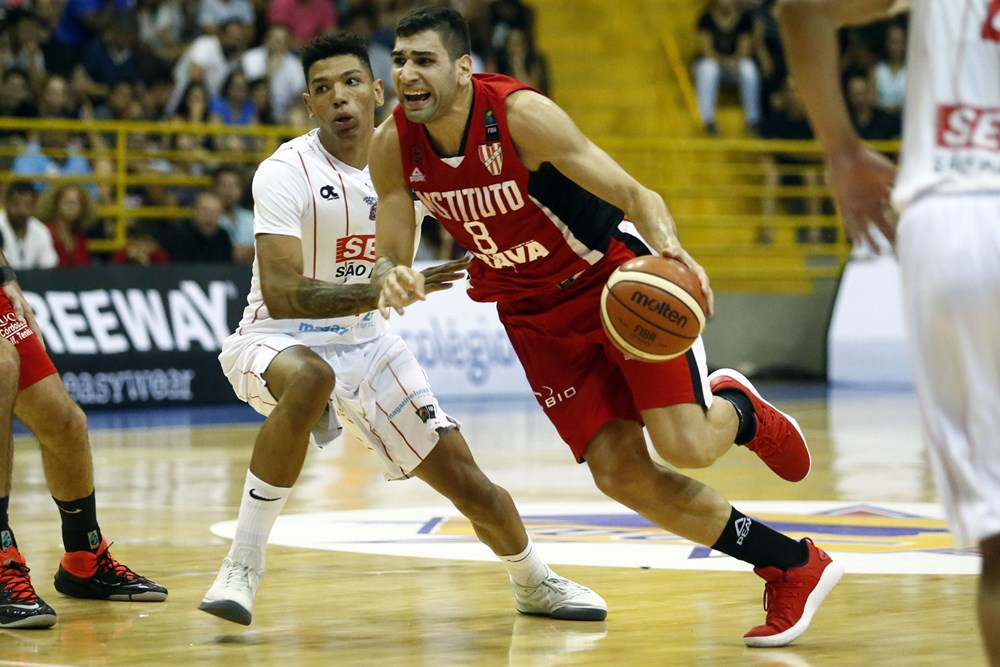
[(362, 571)]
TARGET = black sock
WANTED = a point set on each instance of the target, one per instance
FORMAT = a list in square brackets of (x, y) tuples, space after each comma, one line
[(6, 534), (753, 542), (747, 428), (80, 531)]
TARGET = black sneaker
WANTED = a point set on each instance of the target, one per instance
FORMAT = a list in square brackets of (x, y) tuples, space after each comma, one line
[(20, 607), (99, 576)]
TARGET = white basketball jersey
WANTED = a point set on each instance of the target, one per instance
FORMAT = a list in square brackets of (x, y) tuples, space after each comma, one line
[(304, 191), (951, 131)]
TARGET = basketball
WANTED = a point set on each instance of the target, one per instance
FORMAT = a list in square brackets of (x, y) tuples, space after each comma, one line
[(652, 308)]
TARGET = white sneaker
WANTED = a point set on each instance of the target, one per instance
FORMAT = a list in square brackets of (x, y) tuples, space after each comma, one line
[(231, 596), (558, 597)]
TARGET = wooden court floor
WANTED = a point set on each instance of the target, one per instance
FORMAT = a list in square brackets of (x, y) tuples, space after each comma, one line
[(161, 488)]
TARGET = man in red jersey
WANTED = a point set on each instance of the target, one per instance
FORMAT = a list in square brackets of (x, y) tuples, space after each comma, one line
[(547, 217), (31, 389)]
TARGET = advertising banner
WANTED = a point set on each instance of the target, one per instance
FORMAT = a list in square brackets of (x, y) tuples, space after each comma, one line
[(129, 336), (125, 336)]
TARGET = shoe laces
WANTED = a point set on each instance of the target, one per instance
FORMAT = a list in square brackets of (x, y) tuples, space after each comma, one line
[(14, 580), (770, 437), (565, 586), (780, 600), (240, 576), (107, 564)]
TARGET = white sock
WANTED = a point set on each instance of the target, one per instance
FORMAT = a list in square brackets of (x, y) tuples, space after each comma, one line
[(259, 509), (526, 568)]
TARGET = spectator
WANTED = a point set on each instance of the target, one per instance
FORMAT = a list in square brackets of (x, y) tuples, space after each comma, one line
[(56, 101), (274, 61), (725, 42), (67, 211), (504, 16), (112, 57), (16, 101), (209, 60), (305, 18), (59, 59), (855, 54), (161, 29), (788, 121), (768, 53), (121, 103), (39, 157), (157, 91), (871, 122), (27, 243), (22, 48), (83, 20), (519, 59), (193, 105), (212, 14), (889, 73), (260, 95), (141, 248), (233, 107), (201, 239), (237, 220)]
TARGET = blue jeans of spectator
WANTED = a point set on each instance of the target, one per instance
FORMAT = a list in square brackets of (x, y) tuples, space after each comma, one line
[(709, 75)]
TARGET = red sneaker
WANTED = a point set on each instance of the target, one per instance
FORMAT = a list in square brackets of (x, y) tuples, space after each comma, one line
[(791, 597), (778, 441), (98, 576), (20, 606)]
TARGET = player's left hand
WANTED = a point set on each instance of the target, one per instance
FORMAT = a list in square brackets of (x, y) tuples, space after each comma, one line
[(442, 276), (676, 251)]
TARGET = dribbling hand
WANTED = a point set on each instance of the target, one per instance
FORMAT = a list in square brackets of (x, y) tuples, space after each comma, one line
[(680, 254)]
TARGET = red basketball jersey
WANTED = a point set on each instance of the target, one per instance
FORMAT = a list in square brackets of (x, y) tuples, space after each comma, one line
[(528, 231)]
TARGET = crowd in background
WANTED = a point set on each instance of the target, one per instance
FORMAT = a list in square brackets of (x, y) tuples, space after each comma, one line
[(212, 62), (738, 44), (234, 63)]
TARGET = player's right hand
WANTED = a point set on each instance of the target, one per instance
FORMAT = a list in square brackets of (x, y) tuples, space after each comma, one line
[(861, 180), (676, 251)]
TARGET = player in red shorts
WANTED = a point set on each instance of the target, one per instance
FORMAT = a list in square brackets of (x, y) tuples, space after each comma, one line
[(31, 389), (547, 217)]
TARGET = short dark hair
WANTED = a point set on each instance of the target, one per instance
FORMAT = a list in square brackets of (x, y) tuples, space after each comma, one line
[(334, 44), (20, 188), (445, 21)]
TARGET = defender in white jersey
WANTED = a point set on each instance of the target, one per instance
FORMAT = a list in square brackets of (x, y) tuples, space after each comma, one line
[(947, 194), (312, 353)]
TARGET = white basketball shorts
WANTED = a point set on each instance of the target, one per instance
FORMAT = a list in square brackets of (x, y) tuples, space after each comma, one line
[(381, 395), (949, 252)]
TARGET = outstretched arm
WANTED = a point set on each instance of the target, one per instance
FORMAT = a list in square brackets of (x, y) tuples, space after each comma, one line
[(289, 293), (396, 282), (543, 132), (860, 178)]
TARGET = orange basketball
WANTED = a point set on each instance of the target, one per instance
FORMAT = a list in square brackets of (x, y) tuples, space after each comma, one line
[(652, 308)]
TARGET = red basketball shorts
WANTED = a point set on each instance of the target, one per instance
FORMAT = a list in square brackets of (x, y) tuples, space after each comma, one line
[(35, 362), (579, 378)]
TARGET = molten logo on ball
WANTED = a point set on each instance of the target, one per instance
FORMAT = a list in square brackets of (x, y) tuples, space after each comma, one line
[(652, 308), (661, 308)]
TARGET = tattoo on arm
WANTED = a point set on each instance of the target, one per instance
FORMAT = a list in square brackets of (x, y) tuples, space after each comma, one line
[(383, 265), (316, 299)]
